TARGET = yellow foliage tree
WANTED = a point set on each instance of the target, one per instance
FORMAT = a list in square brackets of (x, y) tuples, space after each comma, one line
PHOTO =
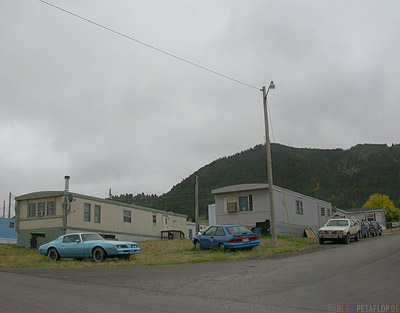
[(377, 200)]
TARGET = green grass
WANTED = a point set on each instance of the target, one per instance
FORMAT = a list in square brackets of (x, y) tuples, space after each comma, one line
[(154, 253)]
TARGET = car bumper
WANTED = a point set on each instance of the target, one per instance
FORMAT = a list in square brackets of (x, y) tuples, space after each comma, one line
[(242, 245), (125, 251), (331, 236)]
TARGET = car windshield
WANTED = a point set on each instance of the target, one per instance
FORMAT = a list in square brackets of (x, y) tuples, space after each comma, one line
[(337, 223), (91, 237), (235, 230)]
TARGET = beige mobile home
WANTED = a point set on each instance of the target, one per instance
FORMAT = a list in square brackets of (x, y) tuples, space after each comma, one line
[(43, 216), (249, 205)]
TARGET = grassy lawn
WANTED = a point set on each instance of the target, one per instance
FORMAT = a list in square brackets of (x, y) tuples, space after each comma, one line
[(154, 253)]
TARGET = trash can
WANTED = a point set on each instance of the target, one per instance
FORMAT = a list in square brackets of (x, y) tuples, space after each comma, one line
[(258, 231)]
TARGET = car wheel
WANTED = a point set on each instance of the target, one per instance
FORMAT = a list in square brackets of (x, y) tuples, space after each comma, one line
[(221, 247), (99, 255), (347, 239), (357, 237), (53, 255), (197, 245), (380, 234), (321, 241)]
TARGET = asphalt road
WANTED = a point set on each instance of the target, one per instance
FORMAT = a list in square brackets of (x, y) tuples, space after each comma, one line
[(362, 273)]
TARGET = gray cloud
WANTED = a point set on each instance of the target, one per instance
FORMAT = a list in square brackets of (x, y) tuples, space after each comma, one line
[(78, 100)]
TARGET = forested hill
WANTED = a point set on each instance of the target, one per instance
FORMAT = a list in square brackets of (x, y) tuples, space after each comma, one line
[(346, 178)]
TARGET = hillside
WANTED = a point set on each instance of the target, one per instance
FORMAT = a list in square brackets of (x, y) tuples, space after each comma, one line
[(346, 178)]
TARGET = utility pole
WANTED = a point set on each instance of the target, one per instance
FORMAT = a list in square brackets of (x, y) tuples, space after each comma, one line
[(269, 165), (9, 205), (4, 209), (196, 203)]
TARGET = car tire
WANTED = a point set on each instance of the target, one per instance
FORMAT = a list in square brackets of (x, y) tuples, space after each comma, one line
[(99, 255), (197, 245), (357, 237), (221, 247), (53, 255), (321, 241), (347, 239), (380, 234)]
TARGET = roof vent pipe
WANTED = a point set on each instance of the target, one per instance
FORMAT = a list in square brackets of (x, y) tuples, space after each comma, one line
[(66, 178)]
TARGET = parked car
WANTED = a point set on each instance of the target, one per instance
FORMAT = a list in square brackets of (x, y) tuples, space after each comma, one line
[(364, 228), (378, 228), (224, 237), (342, 229), (372, 229), (87, 245)]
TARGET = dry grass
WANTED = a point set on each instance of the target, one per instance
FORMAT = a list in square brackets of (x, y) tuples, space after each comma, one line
[(391, 231), (154, 253)]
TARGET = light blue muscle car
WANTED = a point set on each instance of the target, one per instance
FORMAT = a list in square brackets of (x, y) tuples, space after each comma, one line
[(87, 245)]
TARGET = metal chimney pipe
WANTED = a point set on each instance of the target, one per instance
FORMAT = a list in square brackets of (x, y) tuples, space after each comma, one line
[(66, 178)]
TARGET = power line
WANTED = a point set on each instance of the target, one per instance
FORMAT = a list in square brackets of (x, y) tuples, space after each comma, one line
[(150, 46)]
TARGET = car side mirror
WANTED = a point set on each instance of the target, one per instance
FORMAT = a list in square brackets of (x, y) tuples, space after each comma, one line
[(77, 241), (199, 233)]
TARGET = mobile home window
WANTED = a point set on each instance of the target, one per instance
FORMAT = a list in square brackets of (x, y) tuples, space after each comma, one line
[(329, 212), (322, 211), (246, 203), (154, 219), (41, 209), (127, 216), (97, 212), (299, 207), (32, 210), (51, 208), (86, 212)]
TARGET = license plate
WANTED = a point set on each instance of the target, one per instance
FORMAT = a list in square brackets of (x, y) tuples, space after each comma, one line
[(332, 236), (245, 239)]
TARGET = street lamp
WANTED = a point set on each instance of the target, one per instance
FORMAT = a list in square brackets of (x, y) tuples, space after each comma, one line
[(269, 165)]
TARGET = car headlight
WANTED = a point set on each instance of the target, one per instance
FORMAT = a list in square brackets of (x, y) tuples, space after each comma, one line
[(119, 246), (134, 246)]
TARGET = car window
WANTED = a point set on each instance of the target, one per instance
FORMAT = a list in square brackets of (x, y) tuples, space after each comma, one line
[(352, 223), (71, 238), (91, 237), (220, 232), (337, 223), (210, 231), (236, 230)]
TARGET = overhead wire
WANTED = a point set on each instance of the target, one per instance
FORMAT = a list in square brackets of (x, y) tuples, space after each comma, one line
[(149, 46)]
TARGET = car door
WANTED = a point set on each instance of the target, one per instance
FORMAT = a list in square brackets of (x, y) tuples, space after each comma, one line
[(207, 238), (353, 228), (218, 237), (71, 246)]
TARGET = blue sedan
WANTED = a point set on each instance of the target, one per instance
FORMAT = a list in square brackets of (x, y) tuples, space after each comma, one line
[(87, 245), (224, 237)]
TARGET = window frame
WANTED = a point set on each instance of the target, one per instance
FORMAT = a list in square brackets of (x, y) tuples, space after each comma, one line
[(323, 212), (97, 215), (127, 218), (299, 207), (87, 212), (31, 209), (249, 203), (50, 211)]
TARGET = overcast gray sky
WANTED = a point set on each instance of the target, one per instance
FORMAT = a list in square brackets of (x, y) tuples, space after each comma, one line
[(78, 100)]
